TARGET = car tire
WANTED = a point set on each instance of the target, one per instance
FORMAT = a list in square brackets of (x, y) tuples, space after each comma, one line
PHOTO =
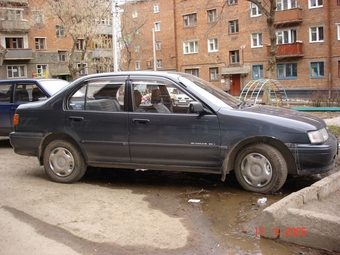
[(63, 162), (261, 168)]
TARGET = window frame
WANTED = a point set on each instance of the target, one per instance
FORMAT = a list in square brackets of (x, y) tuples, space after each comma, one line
[(187, 45), (233, 26), (214, 74), (258, 12), (286, 5), (21, 68), (234, 57), (288, 36), (211, 15), (40, 43), (257, 72), (137, 65), (62, 56), (156, 8), (232, 2), (60, 31), (287, 67), (190, 20), (317, 34), (319, 66), (157, 26), (193, 71), (258, 40), (312, 4), (213, 45)]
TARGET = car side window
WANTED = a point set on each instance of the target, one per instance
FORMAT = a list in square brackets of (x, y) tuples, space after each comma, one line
[(98, 95), (5, 93), (159, 97), (36, 94), (21, 93)]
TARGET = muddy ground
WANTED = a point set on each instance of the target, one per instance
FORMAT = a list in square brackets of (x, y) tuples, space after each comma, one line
[(132, 212)]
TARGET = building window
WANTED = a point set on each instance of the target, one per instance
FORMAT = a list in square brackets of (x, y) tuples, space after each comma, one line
[(134, 14), (233, 26), (287, 71), (12, 14), (285, 4), (137, 65), (159, 63), (137, 48), (83, 70), (192, 71), (158, 45), (190, 20), (16, 71), (157, 26), (256, 40), (156, 8), (254, 10), (14, 43), (81, 44), (212, 16), (40, 43), (38, 17), (42, 71), (234, 56), (257, 72), (286, 36), (62, 56), (315, 3), (212, 45), (317, 70), (213, 73), (190, 47), (338, 30), (231, 2), (60, 32), (316, 34), (339, 67)]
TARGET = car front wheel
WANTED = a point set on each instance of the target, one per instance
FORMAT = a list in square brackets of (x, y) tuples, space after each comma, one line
[(261, 168), (63, 162)]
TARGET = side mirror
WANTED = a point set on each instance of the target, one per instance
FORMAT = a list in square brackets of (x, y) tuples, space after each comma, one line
[(196, 107)]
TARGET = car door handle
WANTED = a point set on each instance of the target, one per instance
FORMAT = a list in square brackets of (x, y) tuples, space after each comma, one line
[(141, 121), (76, 118)]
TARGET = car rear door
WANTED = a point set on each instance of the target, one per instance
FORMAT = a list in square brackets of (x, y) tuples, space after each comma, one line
[(96, 118), (7, 108), (173, 137)]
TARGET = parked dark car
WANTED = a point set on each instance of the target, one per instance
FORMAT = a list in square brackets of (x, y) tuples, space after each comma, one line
[(20, 91), (99, 121)]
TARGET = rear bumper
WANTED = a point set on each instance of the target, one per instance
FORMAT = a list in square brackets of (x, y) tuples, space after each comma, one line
[(315, 158), (26, 143)]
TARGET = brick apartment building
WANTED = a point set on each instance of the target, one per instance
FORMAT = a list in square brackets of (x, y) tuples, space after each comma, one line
[(227, 42), (222, 41)]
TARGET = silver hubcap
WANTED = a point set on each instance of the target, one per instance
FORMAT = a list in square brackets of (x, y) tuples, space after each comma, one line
[(256, 170), (61, 162)]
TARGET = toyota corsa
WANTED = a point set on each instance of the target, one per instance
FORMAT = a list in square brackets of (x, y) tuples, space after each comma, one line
[(101, 121)]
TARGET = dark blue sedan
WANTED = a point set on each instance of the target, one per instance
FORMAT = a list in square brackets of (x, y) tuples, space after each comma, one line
[(20, 91), (101, 120)]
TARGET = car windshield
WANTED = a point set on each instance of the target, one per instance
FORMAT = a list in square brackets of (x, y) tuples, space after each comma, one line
[(219, 96), (53, 86)]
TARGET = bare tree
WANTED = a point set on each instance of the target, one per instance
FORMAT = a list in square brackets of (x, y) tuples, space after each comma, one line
[(268, 8), (78, 19)]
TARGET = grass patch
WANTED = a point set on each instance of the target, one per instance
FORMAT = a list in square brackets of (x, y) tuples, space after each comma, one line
[(335, 130)]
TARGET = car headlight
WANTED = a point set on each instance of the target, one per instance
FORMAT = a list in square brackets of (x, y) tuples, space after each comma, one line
[(318, 136)]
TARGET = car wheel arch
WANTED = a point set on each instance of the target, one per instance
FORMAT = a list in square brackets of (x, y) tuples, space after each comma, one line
[(57, 136), (229, 161)]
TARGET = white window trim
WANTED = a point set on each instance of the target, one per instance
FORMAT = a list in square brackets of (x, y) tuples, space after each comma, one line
[(251, 40), (157, 26), (137, 65), (214, 42), (258, 11), (338, 30), (23, 75), (310, 35), (313, 7), (188, 43), (156, 8)]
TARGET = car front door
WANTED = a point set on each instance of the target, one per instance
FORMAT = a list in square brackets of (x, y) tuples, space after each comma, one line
[(7, 108), (164, 134), (96, 118)]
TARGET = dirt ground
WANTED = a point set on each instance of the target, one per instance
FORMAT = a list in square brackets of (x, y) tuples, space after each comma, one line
[(132, 212)]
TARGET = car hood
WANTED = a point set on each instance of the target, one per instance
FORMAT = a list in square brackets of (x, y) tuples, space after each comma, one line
[(286, 115)]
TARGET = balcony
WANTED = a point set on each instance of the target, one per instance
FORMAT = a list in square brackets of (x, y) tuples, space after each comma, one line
[(18, 54), (102, 53), (14, 26), (292, 50), (288, 17)]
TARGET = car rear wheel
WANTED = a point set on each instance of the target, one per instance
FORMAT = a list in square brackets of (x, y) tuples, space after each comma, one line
[(261, 168), (63, 162)]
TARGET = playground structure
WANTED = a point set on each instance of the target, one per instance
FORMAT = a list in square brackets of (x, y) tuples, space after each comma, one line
[(254, 93)]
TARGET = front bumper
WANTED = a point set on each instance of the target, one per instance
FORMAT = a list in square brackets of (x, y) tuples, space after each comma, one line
[(315, 158), (26, 143)]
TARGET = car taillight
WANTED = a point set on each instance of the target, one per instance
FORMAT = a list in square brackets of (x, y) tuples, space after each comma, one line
[(16, 119)]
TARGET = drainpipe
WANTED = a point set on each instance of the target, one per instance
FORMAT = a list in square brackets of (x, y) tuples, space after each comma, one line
[(329, 49), (175, 36)]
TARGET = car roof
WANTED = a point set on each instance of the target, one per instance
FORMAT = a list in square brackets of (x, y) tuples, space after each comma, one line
[(29, 80)]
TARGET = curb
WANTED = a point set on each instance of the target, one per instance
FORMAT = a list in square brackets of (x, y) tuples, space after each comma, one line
[(286, 220)]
